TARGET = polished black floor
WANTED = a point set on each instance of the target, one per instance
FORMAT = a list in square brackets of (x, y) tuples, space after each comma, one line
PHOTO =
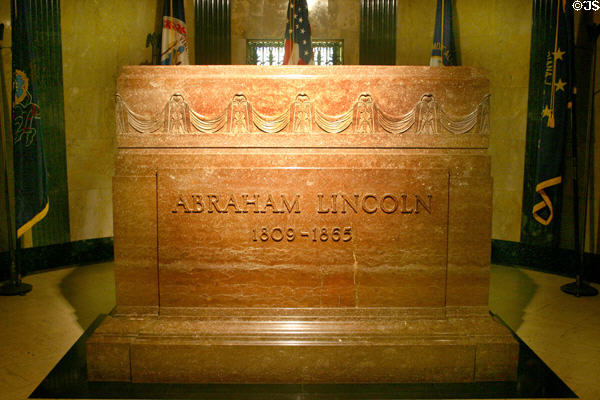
[(68, 380)]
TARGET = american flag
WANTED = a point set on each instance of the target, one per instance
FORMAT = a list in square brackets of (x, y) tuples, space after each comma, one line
[(298, 46)]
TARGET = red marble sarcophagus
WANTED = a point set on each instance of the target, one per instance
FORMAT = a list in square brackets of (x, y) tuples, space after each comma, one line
[(302, 224)]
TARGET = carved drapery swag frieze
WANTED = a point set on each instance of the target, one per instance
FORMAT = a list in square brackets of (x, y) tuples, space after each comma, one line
[(303, 116)]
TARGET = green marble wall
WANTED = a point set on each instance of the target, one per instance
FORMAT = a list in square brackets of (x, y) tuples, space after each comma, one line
[(5, 70)]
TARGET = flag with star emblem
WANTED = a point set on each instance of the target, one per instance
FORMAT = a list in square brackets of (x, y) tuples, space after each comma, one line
[(174, 49), (298, 45), (31, 182), (556, 115), (443, 52)]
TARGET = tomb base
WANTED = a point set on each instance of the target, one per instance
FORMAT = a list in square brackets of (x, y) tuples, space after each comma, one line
[(312, 349)]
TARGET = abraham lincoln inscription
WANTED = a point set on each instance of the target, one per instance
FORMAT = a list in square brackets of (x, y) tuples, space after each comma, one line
[(369, 203), (301, 245), (302, 224)]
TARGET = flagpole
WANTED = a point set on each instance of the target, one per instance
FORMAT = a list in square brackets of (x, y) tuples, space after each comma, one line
[(14, 286), (579, 287)]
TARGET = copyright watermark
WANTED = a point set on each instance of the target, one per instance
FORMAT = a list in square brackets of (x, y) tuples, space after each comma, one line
[(587, 5)]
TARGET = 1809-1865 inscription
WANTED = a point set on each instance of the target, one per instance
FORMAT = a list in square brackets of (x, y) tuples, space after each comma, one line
[(281, 203), (301, 206), (330, 231)]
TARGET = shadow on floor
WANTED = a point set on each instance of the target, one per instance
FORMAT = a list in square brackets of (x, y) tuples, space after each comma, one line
[(90, 290), (511, 290)]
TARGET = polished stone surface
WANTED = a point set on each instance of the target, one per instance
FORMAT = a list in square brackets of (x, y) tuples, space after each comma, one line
[(68, 380), (302, 225)]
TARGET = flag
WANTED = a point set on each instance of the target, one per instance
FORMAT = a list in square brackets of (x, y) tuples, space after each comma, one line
[(556, 114), (31, 184), (298, 45), (174, 34), (443, 52)]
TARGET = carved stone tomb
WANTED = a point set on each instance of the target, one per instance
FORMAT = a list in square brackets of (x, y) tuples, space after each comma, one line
[(302, 224)]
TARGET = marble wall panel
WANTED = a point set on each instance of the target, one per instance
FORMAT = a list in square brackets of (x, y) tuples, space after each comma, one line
[(98, 39), (492, 361), (494, 36), (136, 274), (468, 242), (113, 360), (186, 362), (415, 32), (89, 216)]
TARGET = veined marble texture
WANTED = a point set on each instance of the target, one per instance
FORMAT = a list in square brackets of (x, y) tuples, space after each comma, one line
[(302, 256)]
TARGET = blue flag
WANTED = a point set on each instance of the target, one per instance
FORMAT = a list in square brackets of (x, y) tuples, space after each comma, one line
[(444, 52), (31, 185), (174, 35)]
